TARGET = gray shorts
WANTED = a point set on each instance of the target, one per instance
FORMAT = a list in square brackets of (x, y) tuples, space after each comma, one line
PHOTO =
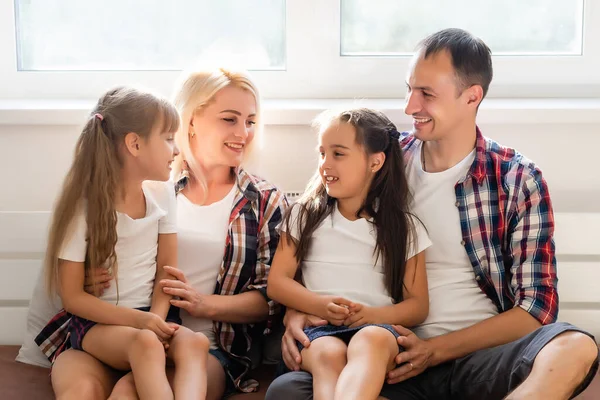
[(486, 374)]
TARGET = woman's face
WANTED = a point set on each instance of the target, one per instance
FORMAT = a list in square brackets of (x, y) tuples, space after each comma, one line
[(223, 128)]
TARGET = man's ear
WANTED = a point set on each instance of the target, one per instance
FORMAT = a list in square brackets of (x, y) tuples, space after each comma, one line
[(474, 95), (133, 143)]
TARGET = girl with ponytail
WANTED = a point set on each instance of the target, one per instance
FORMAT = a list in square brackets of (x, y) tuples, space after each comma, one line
[(116, 213), (360, 254)]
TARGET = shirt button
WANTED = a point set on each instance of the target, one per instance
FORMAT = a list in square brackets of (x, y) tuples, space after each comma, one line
[(477, 278), (457, 204), (462, 242)]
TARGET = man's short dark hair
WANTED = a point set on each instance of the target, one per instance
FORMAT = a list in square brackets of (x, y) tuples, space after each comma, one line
[(471, 57)]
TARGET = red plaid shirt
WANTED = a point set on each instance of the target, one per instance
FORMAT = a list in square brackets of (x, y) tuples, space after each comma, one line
[(507, 226)]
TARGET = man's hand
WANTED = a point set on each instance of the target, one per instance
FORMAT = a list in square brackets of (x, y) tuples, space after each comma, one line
[(295, 322), (417, 356)]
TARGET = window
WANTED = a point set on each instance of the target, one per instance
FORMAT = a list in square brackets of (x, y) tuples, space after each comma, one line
[(298, 49), (510, 27), (148, 34)]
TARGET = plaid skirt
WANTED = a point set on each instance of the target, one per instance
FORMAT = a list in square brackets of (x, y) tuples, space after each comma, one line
[(78, 326), (344, 333)]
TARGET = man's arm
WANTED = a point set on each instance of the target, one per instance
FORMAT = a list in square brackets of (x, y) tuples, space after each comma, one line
[(532, 249), (422, 354), (500, 329)]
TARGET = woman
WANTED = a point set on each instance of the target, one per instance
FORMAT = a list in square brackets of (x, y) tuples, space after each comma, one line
[(227, 235)]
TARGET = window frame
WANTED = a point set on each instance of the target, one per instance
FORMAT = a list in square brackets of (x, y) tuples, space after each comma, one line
[(315, 68)]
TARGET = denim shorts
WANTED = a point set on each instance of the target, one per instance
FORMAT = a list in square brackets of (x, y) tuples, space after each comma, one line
[(344, 333)]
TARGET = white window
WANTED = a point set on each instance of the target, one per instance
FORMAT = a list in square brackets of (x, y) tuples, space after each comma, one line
[(147, 34), (510, 27), (307, 49)]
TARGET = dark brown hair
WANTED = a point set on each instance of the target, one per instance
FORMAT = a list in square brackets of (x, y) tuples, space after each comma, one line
[(387, 201), (471, 57)]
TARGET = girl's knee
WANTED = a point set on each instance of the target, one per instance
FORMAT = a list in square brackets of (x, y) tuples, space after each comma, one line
[(375, 336), (197, 341), (327, 352), (189, 343), (374, 339), (200, 342), (147, 341)]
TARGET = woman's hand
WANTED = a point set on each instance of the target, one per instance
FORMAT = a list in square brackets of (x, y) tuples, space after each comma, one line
[(102, 278), (196, 304)]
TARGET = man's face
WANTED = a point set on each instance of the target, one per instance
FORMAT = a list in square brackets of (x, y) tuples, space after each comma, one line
[(435, 99)]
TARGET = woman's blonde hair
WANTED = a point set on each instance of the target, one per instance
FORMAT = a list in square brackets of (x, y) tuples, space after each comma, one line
[(195, 91), (93, 179)]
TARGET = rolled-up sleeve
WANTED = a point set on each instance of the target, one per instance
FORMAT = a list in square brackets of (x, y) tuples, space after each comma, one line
[(534, 277), (273, 206)]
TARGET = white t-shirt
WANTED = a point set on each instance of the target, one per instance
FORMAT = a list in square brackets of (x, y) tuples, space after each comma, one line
[(136, 248), (202, 231), (160, 218), (341, 260), (455, 299)]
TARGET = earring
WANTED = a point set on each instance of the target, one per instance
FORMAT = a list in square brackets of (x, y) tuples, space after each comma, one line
[(192, 133), (185, 171)]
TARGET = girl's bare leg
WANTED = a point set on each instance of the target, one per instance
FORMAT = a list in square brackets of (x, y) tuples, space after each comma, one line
[(125, 388), (325, 359), (189, 352), (124, 348), (371, 354)]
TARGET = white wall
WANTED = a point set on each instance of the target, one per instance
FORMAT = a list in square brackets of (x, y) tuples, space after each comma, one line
[(34, 159)]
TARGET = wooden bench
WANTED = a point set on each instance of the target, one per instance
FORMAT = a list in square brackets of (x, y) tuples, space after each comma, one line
[(22, 243)]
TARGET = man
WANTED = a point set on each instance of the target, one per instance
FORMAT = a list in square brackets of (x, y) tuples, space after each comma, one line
[(491, 331)]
